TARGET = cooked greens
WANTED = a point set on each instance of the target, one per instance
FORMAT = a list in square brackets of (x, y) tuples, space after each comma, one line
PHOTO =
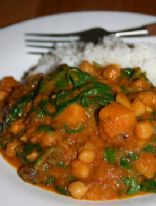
[(75, 86), (17, 111), (110, 155), (45, 128), (149, 185), (132, 184), (68, 131)]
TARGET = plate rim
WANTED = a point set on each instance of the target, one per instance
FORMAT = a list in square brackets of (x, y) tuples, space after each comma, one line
[(72, 13)]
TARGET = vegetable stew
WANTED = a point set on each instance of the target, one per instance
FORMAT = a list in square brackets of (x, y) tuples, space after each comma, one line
[(89, 133)]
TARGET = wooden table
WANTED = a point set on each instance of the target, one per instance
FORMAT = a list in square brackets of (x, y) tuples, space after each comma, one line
[(12, 11)]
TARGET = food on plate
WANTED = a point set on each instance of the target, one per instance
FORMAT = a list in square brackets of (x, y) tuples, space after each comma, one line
[(110, 51), (86, 132)]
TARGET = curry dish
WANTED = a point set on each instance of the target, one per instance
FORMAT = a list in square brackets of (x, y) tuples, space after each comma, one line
[(89, 133)]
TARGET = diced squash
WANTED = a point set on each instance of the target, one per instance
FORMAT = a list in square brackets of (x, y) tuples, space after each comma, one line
[(116, 122)]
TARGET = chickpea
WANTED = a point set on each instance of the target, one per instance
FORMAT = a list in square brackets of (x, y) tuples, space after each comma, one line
[(143, 129), (79, 169), (77, 189), (48, 139), (112, 72), (87, 156), (141, 84), (149, 109), (32, 156), (148, 98), (138, 107), (16, 126), (87, 67), (24, 138), (123, 100), (34, 139), (146, 165), (11, 148)]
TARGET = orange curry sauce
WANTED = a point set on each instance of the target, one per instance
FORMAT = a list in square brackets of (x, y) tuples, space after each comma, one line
[(87, 133)]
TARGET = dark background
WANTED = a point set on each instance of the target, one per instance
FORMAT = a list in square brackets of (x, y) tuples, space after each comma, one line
[(12, 11)]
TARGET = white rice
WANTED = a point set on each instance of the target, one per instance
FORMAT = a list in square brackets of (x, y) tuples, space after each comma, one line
[(111, 50)]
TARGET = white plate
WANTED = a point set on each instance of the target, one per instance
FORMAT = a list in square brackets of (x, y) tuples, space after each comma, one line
[(14, 61)]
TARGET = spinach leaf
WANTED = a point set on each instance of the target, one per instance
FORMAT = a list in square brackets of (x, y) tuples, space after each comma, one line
[(17, 110), (132, 184), (95, 94), (127, 72), (73, 131), (29, 148), (43, 104), (61, 190), (153, 115), (39, 112), (80, 88), (61, 164), (148, 185), (26, 150), (110, 155), (132, 156), (65, 78), (51, 152), (124, 89), (50, 181), (1, 127), (149, 148), (98, 95), (137, 74), (132, 73), (71, 178), (45, 128), (125, 163), (78, 77)]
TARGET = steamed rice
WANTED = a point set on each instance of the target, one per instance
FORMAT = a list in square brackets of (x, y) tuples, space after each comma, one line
[(111, 50)]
